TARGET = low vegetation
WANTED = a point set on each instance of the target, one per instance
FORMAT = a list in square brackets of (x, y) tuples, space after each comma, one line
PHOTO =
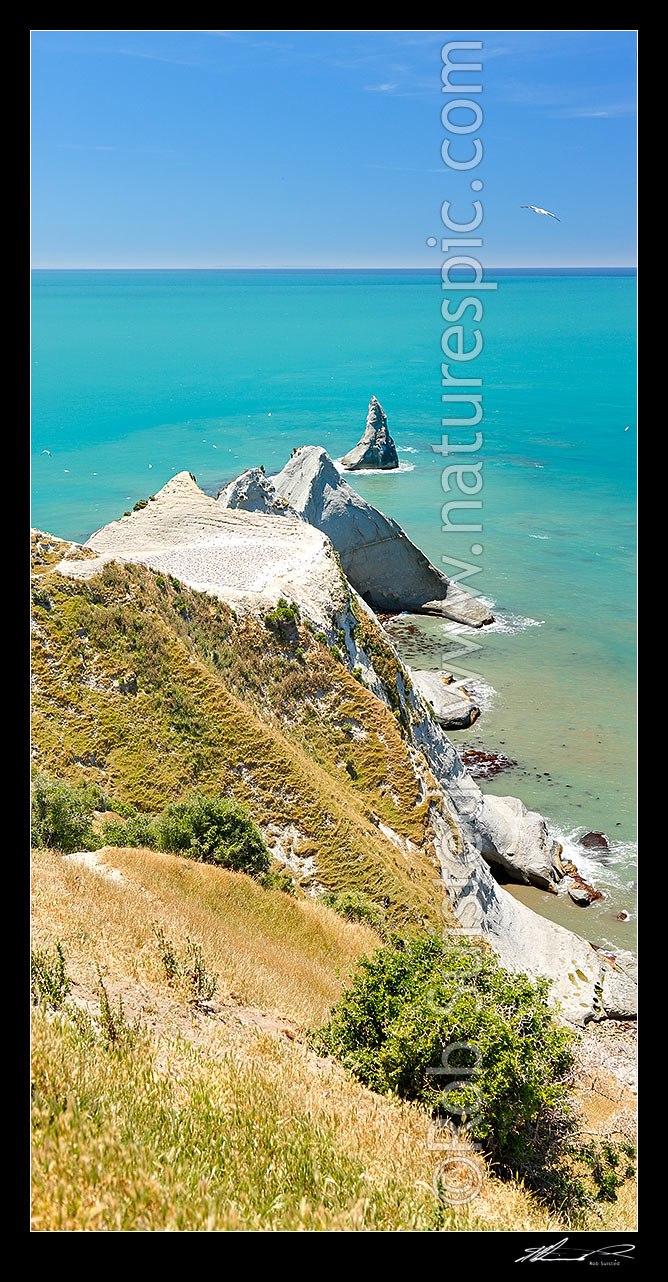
[(62, 816), (159, 1108), (446, 1026), (154, 691), (216, 830), (356, 906)]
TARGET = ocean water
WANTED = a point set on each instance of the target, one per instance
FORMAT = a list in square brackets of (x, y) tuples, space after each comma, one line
[(137, 375)]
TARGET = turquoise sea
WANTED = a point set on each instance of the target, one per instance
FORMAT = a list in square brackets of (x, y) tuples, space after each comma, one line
[(138, 374)]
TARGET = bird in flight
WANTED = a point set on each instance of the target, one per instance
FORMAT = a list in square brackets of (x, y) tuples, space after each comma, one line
[(536, 210), (47, 452)]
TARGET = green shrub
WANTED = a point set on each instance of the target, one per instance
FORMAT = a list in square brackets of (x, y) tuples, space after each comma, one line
[(49, 982), (92, 794), (277, 879), (356, 906), (350, 766), (61, 815), (138, 830), (282, 613), (116, 1031), (507, 1079), (141, 503), (608, 1163), (202, 984), (216, 830), (41, 598), (168, 957)]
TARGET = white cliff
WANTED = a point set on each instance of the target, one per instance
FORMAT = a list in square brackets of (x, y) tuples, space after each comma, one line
[(254, 492), (249, 559), (378, 558)]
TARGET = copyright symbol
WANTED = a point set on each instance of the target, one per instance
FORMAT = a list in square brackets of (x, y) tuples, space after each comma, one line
[(458, 1179)]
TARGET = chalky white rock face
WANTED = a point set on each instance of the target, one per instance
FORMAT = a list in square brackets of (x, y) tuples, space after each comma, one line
[(247, 559), (376, 448), (585, 985), (378, 558), (451, 706), (254, 492)]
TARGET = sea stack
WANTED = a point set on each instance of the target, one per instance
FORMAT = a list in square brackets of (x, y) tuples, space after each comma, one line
[(376, 448)]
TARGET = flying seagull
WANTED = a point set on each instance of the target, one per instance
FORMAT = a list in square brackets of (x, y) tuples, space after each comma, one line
[(536, 210), (47, 452)]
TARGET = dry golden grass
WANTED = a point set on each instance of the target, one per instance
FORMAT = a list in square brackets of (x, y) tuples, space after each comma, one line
[(269, 949), (208, 1124)]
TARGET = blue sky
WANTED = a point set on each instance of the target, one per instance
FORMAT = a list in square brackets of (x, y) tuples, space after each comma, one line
[(315, 148)]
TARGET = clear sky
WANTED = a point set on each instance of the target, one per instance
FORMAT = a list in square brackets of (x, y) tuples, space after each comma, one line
[(322, 148)]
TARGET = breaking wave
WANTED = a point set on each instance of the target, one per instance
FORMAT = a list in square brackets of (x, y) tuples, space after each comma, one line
[(373, 471), (504, 621)]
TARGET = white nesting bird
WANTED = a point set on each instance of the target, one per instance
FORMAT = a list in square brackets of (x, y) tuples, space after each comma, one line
[(536, 210)]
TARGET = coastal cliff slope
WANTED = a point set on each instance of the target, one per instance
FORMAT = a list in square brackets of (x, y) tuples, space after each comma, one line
[(244, 557), (379, 559), (161, 661)]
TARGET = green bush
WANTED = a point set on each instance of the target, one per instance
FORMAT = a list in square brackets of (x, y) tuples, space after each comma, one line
[(49, 982), (138, 830), (216, 830), (41, 598), (350, 766), (116, 1031), (355, 905), (283, 613), (278, 879), (61, 815), (506, 1083)]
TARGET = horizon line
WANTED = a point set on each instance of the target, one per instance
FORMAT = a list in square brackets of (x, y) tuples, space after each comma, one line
[(326, 267)]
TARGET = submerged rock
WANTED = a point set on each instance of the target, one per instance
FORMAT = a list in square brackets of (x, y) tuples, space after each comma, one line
[(484, 765), (594, 841), (451, 705), (389, 572), (376, 448)]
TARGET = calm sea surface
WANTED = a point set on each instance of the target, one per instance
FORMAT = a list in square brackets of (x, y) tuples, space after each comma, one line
[(137, 375)]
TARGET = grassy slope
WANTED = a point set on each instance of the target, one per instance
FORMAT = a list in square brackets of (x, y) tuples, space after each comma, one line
[(151, 689), (218, 1121), (221, 1120)]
